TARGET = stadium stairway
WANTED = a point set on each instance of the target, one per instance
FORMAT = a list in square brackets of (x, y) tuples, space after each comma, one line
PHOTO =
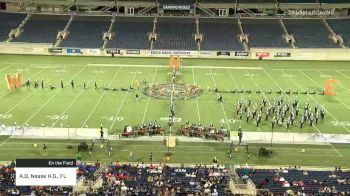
[(245, 44), (109, 32), (286, 31), (65, 30), (331, 31), (17, 32), (154, 31), (197, 33)]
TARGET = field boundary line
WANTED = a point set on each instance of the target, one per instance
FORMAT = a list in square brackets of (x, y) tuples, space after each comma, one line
[(144, 113), (99, 100), (222, 106), (122, 104), (165, 66), (330, 144), (198, 113)]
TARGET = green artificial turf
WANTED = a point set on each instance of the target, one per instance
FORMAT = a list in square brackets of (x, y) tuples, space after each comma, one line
[(91, 108)]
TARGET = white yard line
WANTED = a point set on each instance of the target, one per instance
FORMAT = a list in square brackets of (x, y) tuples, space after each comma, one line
[(47, 101), (144, 113), (337, 83), (28, 96), (74, 100), (316, 101), (348, 77), (322, 87), (222, 106), (100, 99), (261, 91), (330, 144), (165, 66), (8, 92), (121, 105), (194, 81), (3, 81), (5, 68)]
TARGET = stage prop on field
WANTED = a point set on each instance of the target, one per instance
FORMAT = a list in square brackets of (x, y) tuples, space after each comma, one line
[(330, 86), (13, 82), (175, 62)]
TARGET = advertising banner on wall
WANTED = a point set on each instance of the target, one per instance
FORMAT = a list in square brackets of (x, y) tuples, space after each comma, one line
[(55, 50), (223, 53), (243, 53), (113, 51), (170, 52), (132, 51), (73, 51), (93, 51), (262, 54), (311, 12), (283, 54)]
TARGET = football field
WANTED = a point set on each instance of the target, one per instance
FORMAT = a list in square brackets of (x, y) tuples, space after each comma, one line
[(79, 108)]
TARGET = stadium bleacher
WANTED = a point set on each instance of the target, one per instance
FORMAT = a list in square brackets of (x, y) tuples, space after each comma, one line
[(264, 33), (87, 31), (42, 28), (294, 181), (341, 27), (219, 34), (175, 34), (256, 1), (8, 22), (309, 33), (131, 33), (177, 2), (165, 180), (298, 1), (334, 1)]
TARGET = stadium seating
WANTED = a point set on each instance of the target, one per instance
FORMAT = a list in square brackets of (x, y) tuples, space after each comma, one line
[(298, 1), (341, 27), (302, 181), (87, 32), (219, 34), (216, 1), (164, 180), (177, 2), (8, 22), (256, 1), (42, 28), (175, 34), (334, 1), (309, 33), (264, 33), (131, 33)]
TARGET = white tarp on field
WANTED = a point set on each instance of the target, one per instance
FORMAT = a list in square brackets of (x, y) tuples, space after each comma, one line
[(51, 133), (278, 137)]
